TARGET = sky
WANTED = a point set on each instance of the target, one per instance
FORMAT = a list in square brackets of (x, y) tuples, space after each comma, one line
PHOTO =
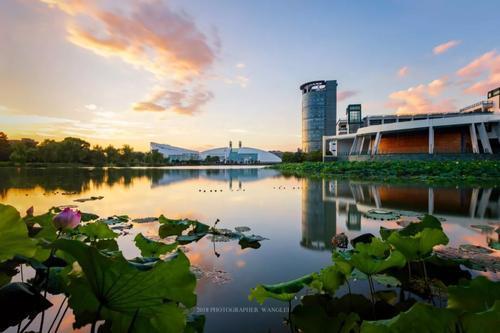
[(197, 74)]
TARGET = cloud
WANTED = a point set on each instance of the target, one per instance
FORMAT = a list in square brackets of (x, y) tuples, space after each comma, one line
[(148, 35), (343, 95), (403, 71), (421, 99), (186, 102), (91, 107), (240, 65), (486, 68), (442, 48)]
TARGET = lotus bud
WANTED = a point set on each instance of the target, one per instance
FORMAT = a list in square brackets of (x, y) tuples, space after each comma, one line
[(30, 211), (67, 219)]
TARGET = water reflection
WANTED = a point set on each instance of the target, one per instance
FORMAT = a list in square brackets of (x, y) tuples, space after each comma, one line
[(326, 203)]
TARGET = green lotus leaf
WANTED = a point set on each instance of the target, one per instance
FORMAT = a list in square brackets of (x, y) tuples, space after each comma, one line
[(195, 324), (18, 301), (14, 239), (342, 261), (284, 291), (419, 318), (150, 248), (428, 222), (314, 319), (132, 300), (482, 322), (89, 217), (41, 228), (476, 295), (169, 227), (329, 279), (420, 245), (97, 230), (375, 257)]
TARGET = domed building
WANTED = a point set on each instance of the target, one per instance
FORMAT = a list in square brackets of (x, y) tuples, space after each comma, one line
[(240, 155)]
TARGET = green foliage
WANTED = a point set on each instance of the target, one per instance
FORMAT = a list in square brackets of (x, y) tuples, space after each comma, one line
[(97, 230), (150, 248), (14, 237), (474, 296), (42, 229), (483, 322), (18, 301), (375, 257), (170, 227), (128, 299), (329, 279), (284, 291), (420, 315), (473, 171), (5, 147), (420, 245)]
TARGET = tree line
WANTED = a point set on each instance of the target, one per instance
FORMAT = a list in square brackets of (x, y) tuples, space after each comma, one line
[(73, 151)]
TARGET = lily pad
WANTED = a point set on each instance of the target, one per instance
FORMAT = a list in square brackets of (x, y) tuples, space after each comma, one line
[(145, 220), (483, 227), (383, 215), (93, 198), (97, 230), (242, 229)]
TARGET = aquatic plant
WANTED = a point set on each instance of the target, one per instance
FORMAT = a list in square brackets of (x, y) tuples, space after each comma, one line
[(472, 305)]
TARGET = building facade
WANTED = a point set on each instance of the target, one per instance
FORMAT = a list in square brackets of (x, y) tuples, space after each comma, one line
[(319, 113), (473, 130)]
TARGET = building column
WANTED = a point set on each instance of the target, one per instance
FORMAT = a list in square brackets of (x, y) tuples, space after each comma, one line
[(473, 202), (485, 142), (430, 201), (473, 138), (483, 202), (353, 146), (360, 150), (376, 143), (431, 140)]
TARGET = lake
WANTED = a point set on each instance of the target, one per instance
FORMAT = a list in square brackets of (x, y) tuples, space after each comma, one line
[(299, 216)]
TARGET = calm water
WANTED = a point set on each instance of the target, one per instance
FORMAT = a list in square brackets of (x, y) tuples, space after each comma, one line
[(299, 216)]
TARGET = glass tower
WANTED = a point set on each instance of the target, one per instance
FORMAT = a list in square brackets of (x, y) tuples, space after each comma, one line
[(319, 113)]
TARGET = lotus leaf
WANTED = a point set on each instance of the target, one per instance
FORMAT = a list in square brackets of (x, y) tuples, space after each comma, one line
[(150, 248), (420, 315), (420, 245), (14, 237), (97, 230), (133, 300), (284, 291)]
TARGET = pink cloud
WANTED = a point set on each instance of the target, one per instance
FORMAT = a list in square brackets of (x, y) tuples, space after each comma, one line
[(421, 99), (403, 71), (442, 48), (150, 36), (486, 68), (343, 95), (180, 101)]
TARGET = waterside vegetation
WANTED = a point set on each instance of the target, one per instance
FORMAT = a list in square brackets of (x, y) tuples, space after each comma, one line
[(476, 171)]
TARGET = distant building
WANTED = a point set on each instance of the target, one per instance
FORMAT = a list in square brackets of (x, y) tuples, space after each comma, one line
[(175, 153), (240, 155), (473, 130), (319, 113)]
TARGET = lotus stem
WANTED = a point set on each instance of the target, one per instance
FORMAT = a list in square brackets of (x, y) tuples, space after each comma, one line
[(92, 328), (61, 319), (57, 314), (27, 324)]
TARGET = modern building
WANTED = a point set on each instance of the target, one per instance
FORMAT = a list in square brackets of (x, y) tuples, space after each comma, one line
[(228, 155), (473, 130), (319, 113), (175, 153)]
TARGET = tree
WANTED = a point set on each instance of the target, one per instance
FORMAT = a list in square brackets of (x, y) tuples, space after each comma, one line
[(112, 155), (126, 154), (97, 156), (23, 151), (5, 148), (48, 151), (74, 150)]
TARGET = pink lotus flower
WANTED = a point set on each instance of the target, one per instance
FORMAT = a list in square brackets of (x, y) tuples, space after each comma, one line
[(67, 219)]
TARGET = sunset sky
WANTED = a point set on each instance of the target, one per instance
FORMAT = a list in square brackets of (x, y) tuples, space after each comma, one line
[(197, 74)]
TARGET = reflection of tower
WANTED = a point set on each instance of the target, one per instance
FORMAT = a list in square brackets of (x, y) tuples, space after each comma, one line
[(353, 218), (318, 216)]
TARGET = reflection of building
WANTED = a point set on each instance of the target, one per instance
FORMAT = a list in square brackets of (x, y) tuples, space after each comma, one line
[(318, 216), (475, 130), (319, 113), (240, 155)]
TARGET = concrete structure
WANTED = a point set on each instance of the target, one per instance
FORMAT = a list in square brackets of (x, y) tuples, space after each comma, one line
[(240, 155), (319, 113), (474, 130)]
